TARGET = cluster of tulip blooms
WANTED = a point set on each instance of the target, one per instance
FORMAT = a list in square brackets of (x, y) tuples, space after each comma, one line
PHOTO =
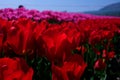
[(10, 14), (58, 46)]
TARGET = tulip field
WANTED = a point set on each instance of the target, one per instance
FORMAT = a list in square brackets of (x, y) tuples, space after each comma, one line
[(51, 45)]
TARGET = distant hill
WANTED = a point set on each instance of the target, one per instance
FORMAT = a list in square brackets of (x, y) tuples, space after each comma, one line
[(109, 10), (113, 7)]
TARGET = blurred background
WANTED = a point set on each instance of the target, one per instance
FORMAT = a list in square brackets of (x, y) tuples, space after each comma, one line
[(98, 7)]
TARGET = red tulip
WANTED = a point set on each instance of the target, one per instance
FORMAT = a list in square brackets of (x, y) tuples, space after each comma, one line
[(100, 64), (11, 69), (73, 68), (108, 55), (20, 38)]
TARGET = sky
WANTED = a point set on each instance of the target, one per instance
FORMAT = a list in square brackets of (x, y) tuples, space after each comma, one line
[(58, 5)]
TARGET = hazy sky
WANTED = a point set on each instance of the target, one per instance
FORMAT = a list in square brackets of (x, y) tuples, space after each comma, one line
[(58, 5)]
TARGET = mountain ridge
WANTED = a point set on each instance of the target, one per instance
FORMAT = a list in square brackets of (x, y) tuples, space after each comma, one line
[(109, 10)]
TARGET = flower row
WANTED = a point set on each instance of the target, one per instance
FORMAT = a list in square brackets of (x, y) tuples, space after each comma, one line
[(24, 35), (10, 14)]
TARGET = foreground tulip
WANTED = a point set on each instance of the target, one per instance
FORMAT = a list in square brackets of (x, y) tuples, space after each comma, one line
[(56, 46), (14, 69), (72, 69), (20, 37)]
